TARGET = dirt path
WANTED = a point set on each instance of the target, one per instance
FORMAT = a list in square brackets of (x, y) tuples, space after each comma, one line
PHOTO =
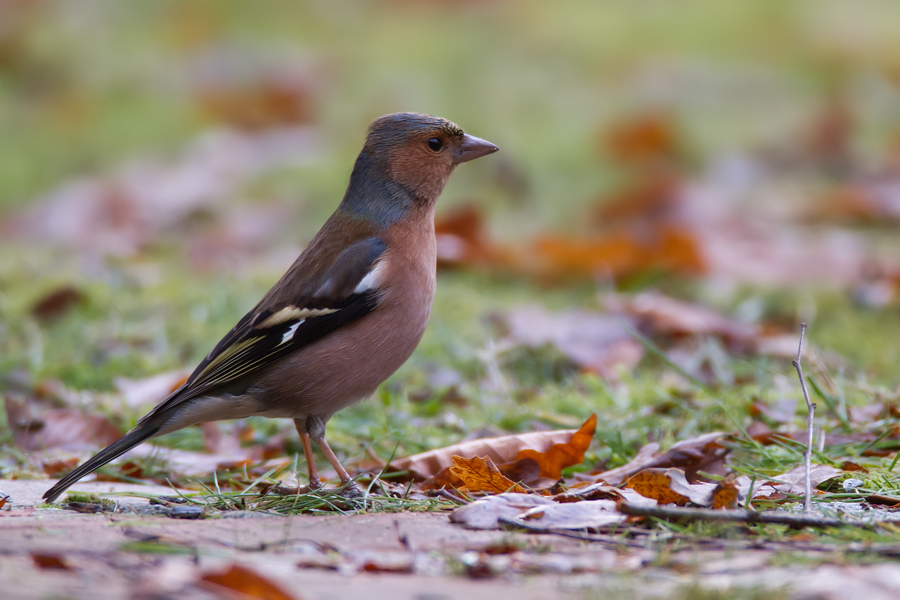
[(353, 556)]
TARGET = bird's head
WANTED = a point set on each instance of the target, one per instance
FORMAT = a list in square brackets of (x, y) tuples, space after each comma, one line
[(419, 152)]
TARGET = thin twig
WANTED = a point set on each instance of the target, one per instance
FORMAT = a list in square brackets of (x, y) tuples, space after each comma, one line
[(733, 516), (811, 412)]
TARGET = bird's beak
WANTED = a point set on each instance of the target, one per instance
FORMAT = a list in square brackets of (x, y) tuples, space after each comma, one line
[(472, 148)]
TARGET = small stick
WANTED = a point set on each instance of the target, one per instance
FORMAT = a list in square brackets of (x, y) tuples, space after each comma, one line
[(811, 408), (732, 516)]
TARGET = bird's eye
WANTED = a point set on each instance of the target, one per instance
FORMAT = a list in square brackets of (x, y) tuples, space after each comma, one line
[(435, 144)]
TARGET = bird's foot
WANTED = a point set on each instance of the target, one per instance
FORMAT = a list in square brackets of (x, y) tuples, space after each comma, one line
[(350, 490)]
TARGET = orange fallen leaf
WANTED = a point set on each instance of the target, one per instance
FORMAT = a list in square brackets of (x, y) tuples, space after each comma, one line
[(617, 255), (501, 450), (560, 456), (53, 468), (663, 247), (650, 136), (269, 103), (648, 197), (852, 466), (656, 484), (461, 238), (482, 475), (726, 494), (245, 581)]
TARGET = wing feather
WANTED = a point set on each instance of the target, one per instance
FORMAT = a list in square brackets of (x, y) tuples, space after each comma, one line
[(349, 291)]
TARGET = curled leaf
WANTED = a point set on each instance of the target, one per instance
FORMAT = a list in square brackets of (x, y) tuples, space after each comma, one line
[(560, 456), (482, 475)]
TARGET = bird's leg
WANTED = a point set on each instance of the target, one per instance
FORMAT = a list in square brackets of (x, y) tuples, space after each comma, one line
[(316, 427), (351, 489), (314, 482)]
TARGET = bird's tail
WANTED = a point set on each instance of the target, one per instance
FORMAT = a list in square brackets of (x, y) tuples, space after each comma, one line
[(131, 439)]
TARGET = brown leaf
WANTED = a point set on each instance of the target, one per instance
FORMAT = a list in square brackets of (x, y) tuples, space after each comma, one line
[(57, 302), (726, 494), (560, 456), (245, 581), (592, 341), (650, 196), (663, 247), (269, 102), (853, 467), (481, 475), (501, 450), (66, 428), (793, 482), (594, 491), (461, 238), (689, 455), (54, 468), (526, 471), (643, 138), (126, 472), (50, 561), (664, 316), (656, 484)]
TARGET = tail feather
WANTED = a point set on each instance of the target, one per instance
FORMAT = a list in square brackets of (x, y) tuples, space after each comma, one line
[(131, 439)]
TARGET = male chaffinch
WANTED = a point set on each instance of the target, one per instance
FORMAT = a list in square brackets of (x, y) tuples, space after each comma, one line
[(345, 316)]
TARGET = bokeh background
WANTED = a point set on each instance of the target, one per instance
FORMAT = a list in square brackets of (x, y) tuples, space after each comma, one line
[(162, 163)]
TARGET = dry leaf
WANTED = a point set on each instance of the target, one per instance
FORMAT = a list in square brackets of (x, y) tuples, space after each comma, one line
[(245, 581), (57, 302), (127, 471), (689, 455), (793, 482), (55, 468), (150, 391), (481, 475), (663, 316), (65, 428), (643, 138), (560, 456), (461, 238), (485, 513), (726, 493), (50, 561), (501, 450), (590, 340), (656, 484), (589, 514), (532, 510)]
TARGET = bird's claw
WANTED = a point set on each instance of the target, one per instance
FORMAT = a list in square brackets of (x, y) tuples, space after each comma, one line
[(350, 490)]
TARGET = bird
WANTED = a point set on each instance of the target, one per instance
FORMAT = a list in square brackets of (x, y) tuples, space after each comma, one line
[(347, 313)]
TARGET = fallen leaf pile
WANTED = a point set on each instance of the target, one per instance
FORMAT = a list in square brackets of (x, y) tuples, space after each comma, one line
[(503, 496), (609, 342)]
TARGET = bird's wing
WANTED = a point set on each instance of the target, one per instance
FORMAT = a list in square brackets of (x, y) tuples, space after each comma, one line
[(347, 291)]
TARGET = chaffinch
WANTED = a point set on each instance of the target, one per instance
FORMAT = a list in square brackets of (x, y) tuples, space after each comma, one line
[(345, 316)]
